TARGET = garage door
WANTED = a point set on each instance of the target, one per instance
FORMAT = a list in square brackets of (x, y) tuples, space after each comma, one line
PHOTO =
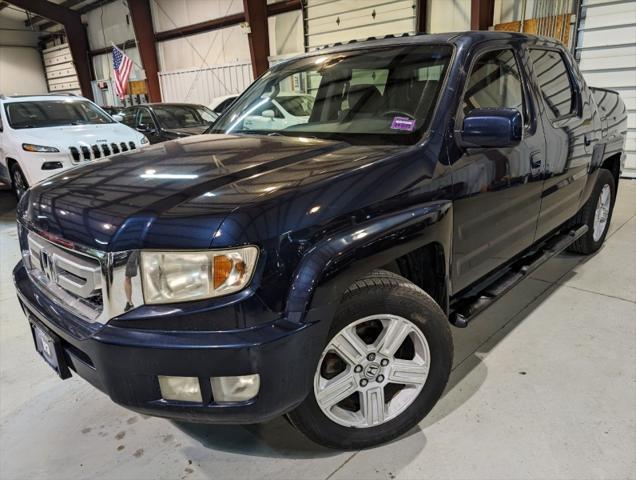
[(61, 76), (331, 21), (606, 50)]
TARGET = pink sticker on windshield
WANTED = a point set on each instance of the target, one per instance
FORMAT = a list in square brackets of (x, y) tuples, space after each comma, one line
[(403, 123)]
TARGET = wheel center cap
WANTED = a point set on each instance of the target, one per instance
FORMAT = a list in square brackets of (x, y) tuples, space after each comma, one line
[(371, 370)]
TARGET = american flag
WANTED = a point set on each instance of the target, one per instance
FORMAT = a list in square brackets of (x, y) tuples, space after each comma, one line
[(122, 66)]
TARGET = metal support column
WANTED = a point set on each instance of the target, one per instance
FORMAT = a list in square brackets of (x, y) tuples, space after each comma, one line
[(144, 32), (256, 17)]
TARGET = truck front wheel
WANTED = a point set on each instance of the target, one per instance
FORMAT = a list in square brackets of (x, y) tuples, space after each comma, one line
[(596, 214), (384, 367), (18, 180)]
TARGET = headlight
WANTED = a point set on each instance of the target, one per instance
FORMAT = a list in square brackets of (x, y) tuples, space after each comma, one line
[(170, 277), (29, 147), (144, 141)]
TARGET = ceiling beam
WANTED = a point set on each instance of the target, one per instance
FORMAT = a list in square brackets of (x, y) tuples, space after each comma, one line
[(75, 35), (37, 18), (145, 35), (85, 9)]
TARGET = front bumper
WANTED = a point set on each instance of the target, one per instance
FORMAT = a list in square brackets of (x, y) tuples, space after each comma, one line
[(124, 363)]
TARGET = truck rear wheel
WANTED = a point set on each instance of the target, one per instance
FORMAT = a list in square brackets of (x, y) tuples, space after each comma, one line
[(384, 367), (596, 214)]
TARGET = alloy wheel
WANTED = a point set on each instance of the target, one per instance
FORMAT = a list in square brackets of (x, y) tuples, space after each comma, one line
[(601, 215), (371, 371)]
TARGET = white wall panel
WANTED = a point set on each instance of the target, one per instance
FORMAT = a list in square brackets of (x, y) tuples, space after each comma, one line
[(448, 16), (329, 21), (202, 85), (169, 14), (606, 50)]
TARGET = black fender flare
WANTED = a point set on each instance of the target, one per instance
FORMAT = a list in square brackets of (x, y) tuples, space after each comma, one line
[(332, 264)]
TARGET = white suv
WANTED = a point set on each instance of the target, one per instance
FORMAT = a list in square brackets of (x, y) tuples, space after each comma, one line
[(43, 135)]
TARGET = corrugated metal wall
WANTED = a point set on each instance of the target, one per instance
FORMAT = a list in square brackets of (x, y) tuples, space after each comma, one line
[(606, 50), (201, 85), (331, 21)]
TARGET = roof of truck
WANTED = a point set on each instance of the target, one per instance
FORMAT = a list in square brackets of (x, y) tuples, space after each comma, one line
[(471, 37)]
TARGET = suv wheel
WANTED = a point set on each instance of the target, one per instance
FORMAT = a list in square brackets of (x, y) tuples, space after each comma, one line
[(385, 365), (596, 214), (18, 180)]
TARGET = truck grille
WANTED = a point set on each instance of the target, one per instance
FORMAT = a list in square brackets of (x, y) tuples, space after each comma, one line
[(93, 285), (73, 278), (85, 153)]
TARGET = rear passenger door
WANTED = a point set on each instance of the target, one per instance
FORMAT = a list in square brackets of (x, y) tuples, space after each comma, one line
[(568, 130), (497, 190)]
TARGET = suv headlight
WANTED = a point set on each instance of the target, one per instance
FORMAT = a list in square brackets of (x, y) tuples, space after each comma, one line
[(144, 140), (170, 277), (29, 147)]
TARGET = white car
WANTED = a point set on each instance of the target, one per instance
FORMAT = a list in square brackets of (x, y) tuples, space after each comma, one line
[(282, 111), (46, 134)]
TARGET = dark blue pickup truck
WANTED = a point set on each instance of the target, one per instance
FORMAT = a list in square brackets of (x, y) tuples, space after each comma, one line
[(312, 268)]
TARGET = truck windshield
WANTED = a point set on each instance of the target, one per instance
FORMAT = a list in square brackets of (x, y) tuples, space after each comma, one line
[(54, 113), (376, 96)]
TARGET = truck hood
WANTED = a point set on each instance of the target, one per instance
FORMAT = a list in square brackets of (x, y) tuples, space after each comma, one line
[(73, 135), (177, 194)]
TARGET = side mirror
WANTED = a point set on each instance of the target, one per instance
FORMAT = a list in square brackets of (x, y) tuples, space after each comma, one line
[(268, 114), (118, 118), (145, 128), (491, 127)]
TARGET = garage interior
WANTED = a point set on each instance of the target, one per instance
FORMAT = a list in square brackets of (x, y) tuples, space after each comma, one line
[(543, 383)]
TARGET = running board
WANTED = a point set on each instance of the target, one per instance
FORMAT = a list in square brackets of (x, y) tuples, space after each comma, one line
[(476, 300)]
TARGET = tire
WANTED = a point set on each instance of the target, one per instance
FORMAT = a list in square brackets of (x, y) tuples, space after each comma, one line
[(386, 301), (592, 240), (19, 182)]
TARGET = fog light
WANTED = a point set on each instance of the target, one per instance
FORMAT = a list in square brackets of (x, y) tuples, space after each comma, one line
[(51, 165), (235, 389), (182, 389)]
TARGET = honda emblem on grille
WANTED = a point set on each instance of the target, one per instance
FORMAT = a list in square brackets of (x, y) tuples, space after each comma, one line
[(47, 266)]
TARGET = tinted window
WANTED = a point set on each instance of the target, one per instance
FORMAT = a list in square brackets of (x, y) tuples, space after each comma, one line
[(129, 117), (145, 118), (494, 82), (183, 116), (554, 81), (51, 113)]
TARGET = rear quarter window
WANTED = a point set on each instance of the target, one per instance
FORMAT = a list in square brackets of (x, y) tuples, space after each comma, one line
[(554, 81)]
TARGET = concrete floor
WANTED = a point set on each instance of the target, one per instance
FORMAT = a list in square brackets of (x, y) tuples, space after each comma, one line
[(544, 386)]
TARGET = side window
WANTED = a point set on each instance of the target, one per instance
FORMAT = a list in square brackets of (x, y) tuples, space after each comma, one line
[(129, 117), (554, 81), (144, 118), (494, 82)]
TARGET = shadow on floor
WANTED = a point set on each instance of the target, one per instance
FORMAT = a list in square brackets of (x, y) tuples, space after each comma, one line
[(278, 438)]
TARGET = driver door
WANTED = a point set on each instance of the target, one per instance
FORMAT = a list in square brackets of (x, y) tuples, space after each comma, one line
[(497, 190)]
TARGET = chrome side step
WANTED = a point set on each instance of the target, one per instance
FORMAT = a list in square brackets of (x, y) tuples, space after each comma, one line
[(476, 300)]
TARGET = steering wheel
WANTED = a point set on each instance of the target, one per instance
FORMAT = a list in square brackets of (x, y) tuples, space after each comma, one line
[(397, 112)]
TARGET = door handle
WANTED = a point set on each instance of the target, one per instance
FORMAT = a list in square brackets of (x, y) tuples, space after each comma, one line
[(589, 141), (535, 160)]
